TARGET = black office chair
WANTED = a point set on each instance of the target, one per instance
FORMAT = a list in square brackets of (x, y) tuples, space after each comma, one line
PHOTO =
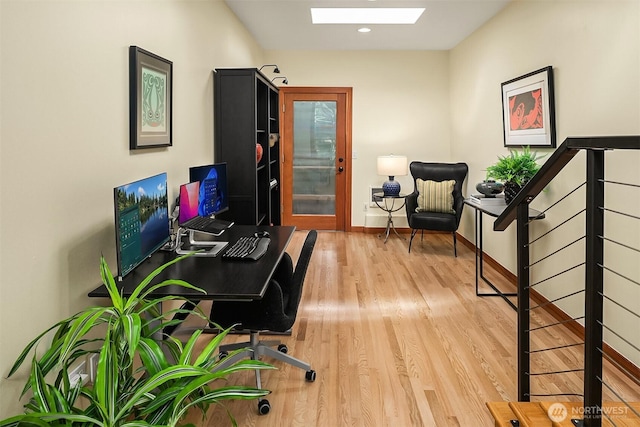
[(436, 221), (275, 312)]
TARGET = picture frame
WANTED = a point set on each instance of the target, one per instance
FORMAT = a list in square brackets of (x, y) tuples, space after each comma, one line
[(150, 100), (528, 111)]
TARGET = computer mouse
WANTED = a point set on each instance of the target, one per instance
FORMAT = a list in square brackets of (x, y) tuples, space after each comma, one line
[(261, 234)]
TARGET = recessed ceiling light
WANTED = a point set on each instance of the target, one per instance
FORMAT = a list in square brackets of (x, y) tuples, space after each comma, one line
[(354, 15), (364, 29)]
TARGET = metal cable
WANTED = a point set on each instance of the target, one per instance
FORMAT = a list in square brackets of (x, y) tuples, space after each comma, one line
[(555, 300), (619, 183), (620, 367), (556, 394), (619, 336), (555, 348), (621, 244), (554, 204), (619, 213), (619, 305), (635, 282), (556, 324), (568, 371), (618, 396), (556, 275), (555, 252), (556, 227)]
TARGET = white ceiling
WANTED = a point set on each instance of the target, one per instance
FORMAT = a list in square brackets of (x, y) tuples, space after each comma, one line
[(286, 24)]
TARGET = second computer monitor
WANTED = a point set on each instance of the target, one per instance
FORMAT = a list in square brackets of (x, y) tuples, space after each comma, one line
[(141, 220), (213, 196)]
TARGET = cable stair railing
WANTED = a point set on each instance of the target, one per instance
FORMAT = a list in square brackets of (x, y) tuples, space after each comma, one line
[(579, 394)]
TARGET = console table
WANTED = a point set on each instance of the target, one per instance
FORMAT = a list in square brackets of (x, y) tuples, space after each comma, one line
[(493, 210)]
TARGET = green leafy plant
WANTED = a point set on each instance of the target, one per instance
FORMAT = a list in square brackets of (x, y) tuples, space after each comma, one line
[(140, 380), (516, 168)]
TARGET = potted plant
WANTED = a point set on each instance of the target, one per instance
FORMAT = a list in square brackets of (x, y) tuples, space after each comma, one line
[(139, 380), (514, 170)]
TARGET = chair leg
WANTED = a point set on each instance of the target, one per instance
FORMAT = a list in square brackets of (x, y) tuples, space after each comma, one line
[(413, 233), (255, 348), (283, 357), (455, 250)]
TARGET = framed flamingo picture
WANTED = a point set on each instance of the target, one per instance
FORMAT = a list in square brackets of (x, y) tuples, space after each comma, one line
[(150, 99), (528, 112)]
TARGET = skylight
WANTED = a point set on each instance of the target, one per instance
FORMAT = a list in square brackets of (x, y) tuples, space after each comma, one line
[(353, 15)]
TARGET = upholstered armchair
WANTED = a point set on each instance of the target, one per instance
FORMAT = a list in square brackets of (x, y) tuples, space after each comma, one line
[(437, 201)]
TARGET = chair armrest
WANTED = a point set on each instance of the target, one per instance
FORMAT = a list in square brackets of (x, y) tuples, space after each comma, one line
[(273, 314), (411, 203), (273, 299), (262, 314)]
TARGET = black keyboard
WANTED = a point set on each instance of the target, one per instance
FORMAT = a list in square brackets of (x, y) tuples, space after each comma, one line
[(247, 248)]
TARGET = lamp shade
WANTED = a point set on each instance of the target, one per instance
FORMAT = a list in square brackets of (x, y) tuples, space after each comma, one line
[(392, 165)]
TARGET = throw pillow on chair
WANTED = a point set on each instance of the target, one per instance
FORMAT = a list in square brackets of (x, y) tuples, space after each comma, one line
[(435, 196)]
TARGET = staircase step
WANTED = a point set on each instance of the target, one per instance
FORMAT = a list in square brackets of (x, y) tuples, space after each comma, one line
[(621, 415), (530, 414), (502, 413), (560, 414)]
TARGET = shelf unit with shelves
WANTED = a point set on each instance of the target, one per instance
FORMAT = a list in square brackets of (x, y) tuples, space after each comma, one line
[(245, 117)]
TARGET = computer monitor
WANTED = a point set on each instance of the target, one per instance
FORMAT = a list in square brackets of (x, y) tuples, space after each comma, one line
[(188, 202), (141, 220), (214, 197)]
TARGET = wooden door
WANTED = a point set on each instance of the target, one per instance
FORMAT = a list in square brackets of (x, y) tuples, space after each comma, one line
[(316, 157)]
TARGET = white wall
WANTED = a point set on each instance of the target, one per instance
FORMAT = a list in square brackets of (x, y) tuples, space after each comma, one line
[(64, 141), (400, 106), (594, 48)]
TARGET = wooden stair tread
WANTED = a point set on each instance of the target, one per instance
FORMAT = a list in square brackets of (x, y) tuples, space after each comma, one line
[(530, 414), (536, 414), (622, 418), (502, 413), (571, 407), (625, 417)]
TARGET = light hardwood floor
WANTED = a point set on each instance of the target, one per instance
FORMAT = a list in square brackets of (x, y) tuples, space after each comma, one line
[(401, 339)]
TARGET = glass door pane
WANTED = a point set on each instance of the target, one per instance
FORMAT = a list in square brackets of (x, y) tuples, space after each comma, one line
[(314, 155)]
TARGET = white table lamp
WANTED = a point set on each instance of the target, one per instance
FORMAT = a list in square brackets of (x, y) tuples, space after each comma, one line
[(392, 166)]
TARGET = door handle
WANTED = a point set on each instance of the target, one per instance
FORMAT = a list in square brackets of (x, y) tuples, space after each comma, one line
[(340, 169)]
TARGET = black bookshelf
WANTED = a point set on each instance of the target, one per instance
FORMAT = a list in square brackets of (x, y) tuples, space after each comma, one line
[(246, 114)]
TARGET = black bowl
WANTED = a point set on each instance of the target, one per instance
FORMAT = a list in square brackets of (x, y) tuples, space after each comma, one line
[(490, 187)]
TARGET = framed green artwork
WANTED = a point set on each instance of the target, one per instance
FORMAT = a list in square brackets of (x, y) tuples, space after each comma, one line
[(150, 99)]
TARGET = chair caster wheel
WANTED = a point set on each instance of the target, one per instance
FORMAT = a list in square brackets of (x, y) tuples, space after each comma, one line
[(263, 406), (310, 375), (222, 355), (282, 348)]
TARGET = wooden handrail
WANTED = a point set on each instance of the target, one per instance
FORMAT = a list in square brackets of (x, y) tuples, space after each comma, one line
[(558, 160)]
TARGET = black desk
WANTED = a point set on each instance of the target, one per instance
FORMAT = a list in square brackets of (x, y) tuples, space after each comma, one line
[(240, 280), (494, 211)]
